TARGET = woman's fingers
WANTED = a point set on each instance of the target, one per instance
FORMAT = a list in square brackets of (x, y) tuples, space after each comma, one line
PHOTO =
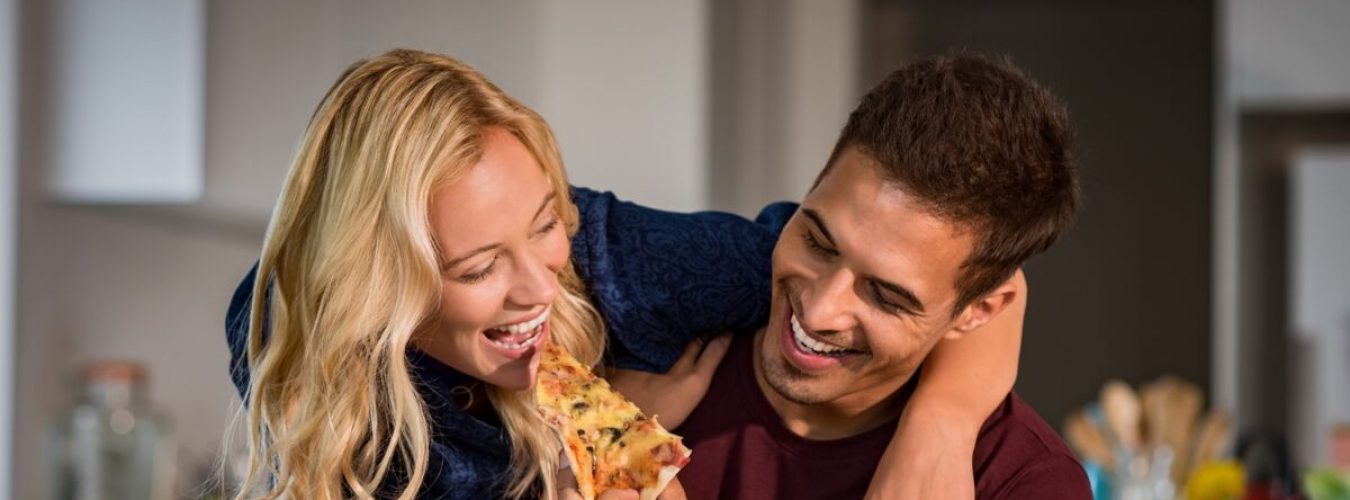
[(689, 358), (702, 355), (712, 355), (619, 495), (673, 491), (567, 482)]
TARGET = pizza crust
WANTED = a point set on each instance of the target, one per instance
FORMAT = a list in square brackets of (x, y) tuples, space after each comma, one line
[(667, 475)]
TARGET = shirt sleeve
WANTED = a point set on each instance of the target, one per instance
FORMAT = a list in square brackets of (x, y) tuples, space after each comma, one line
[(660, 279), (1056, 478), (236, 330)]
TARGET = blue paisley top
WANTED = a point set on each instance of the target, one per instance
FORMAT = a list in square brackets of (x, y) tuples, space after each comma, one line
[(659, 279)]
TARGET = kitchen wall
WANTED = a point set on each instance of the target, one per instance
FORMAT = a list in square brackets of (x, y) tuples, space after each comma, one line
[(623, 84), (694, 105)]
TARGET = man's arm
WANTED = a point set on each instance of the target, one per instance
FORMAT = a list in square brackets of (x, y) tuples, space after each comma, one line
[(963, 381)]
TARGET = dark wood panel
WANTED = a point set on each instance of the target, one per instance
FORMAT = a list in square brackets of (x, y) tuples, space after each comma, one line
[(1127, 292)]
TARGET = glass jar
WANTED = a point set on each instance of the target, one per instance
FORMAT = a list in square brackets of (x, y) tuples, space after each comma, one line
[(112, 445)]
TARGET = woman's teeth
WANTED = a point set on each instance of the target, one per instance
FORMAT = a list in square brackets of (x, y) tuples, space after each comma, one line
[(519, 335), (525, 326), (521, 343), (814, 346)]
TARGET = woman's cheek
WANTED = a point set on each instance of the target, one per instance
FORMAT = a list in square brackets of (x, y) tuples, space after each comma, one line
[(557, 250), (468, 307)]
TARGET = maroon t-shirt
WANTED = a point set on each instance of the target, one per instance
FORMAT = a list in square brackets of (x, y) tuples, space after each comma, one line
[(742, 450)]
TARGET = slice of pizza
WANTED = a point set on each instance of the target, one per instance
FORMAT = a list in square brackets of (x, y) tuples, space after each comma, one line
[(609, 443)]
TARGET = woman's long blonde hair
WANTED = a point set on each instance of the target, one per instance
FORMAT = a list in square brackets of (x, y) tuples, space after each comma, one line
[(349, 271)]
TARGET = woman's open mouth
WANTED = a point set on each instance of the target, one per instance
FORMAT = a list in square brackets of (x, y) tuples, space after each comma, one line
[(515, 339)]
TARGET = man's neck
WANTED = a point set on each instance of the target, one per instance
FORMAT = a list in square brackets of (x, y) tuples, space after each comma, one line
[(848, 415)]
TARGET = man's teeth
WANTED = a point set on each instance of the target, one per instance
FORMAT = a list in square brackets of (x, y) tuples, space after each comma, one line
[(811, 345)]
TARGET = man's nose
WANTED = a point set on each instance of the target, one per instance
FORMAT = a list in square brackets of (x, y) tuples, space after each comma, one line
[(830, 303)]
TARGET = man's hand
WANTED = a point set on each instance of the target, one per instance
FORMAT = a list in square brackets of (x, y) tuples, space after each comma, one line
[(674, 395)]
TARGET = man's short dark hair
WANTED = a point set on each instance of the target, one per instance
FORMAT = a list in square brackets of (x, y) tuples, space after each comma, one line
[(979, 144)]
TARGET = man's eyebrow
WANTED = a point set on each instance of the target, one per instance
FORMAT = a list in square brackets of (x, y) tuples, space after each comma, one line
[(456, 261), (904, 293), (911, 300), (820, 224)]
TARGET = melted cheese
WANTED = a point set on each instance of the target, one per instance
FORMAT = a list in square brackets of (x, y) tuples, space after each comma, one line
[(608, 435)]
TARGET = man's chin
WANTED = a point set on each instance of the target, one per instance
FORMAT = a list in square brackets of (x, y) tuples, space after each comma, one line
[(791, 384), (800, 397)]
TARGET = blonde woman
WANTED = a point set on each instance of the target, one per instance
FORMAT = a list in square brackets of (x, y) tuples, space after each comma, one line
[(426, 243)]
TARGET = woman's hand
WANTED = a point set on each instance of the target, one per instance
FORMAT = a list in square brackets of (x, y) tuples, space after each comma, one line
[(675, 394), (568, 490)]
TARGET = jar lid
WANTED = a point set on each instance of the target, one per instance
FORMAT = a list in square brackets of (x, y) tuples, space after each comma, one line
[(114, 371)]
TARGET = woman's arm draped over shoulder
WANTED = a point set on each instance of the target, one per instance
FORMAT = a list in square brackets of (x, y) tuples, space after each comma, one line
[(662, 278)]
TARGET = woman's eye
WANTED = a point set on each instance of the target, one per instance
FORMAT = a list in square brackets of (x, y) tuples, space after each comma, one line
[(478, 276), (552, 224)]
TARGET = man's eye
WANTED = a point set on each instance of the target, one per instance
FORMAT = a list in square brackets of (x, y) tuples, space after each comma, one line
[(815, 246), (889, 306), (886, 305)]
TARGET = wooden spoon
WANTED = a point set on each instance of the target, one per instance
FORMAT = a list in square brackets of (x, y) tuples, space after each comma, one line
[(1123, 410), (1088, 439), (1154, 396), (1185, 402), (1212, 438)]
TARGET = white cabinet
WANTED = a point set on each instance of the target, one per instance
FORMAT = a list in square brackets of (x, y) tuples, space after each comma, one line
[(128, 101)]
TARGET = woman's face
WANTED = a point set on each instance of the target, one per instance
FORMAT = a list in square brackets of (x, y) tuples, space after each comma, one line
[(502, 246)]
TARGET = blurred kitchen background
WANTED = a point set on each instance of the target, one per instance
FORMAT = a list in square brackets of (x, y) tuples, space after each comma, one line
[(143, 143)]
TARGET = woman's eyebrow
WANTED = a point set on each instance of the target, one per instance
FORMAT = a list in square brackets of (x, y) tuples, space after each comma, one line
[(455, 261), (542, 206)]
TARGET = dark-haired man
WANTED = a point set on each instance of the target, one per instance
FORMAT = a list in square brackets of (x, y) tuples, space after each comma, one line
[(947, 176)]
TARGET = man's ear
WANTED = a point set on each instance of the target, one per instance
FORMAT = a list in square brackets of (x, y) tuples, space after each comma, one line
[(984, 309)]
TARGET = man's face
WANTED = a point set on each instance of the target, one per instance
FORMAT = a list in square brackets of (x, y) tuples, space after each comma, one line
[(864, 280)]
